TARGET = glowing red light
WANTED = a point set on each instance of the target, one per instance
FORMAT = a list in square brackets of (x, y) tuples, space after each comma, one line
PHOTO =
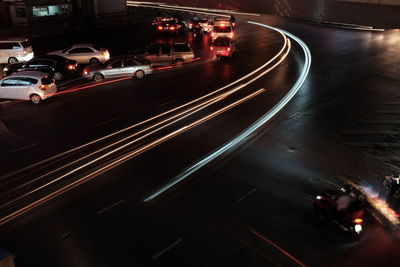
[(160, 28), (71, 67), (211, 47), (358, 220), (42, 87), (172, 28), (229, 49)]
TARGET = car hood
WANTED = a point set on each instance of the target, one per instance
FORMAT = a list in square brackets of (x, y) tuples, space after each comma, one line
[(14, 66)]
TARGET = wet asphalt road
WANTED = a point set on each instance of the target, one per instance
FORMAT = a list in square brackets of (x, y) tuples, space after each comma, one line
[(223, 215)]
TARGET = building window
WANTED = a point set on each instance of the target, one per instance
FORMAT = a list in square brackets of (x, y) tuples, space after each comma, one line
[(20, 12), (53, 10)]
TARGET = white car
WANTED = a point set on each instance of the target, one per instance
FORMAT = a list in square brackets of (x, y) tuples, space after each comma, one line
[(84, 53), (28, 85), (15, 50)]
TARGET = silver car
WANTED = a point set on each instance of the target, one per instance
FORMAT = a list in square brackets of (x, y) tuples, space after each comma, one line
[(168, 53), (84, 53), (15, 50), (28, 85), (117, 67)]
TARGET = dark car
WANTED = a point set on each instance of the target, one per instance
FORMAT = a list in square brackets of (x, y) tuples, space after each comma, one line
[(57, 66), (169, 25)]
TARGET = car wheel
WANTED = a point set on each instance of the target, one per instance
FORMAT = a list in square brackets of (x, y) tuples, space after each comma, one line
[(94, 61), (98, 77), (178, 61), (58, 76), (35, 99), (139, 74), (12, 60)]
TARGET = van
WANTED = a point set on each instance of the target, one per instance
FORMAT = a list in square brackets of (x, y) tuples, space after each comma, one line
[(15, 50), (168, 53), (222, 29)]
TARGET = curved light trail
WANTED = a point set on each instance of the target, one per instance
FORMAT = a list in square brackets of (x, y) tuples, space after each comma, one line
[(235, 142)]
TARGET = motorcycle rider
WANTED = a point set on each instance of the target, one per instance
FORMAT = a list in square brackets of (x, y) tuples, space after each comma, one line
[(392, 184)]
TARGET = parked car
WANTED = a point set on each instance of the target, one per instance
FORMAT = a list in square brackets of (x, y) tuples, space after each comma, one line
[(57, 66), (84, 53), (167, 53), (222, 29), (28, 85), (15, 50), (118, 66), (223, 47)]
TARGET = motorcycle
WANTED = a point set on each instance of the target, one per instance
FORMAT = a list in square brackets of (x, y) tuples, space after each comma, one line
[(349, 221)]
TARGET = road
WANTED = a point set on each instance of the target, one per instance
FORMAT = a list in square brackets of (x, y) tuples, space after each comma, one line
[(251, 207)]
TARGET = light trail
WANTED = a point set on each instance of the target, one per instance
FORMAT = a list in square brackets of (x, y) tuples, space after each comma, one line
[(124, 158), (206, 11), (33, 166), (235, 142), (177, 117)]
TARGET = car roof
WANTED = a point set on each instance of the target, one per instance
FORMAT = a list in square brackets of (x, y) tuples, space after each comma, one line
[(82, 45), (13, 39), (30, 74), (51, 57)]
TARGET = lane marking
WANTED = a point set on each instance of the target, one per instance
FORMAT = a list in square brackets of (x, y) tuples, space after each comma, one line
[(233, 143), (246, 195), (24, 147), (278, 248), (67, 234), (110, 207), (167, 248), (107, 121)]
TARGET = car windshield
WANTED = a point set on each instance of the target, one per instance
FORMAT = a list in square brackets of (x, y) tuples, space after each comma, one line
[(47, 80), (222, 29)]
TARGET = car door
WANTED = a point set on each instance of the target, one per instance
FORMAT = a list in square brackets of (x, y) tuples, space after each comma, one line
[(8, 88), (116, 68), (153, 53), (81, 54), (25, 87), (130, 67), (165, 54)]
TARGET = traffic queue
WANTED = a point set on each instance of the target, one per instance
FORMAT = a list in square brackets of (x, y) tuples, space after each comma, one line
[(35, 78)]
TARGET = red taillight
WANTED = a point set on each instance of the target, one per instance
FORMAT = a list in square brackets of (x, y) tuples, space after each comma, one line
[(229, 49), (71, 67), (358, 220), (160, 28), (190, 25), (211, 47), (172, 28), (212, 34), (85, 73), (42, 87)]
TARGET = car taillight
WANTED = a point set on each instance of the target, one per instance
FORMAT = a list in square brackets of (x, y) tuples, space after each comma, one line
[(42, 87), (211, 47), (160, 28), (212, 34), (190, 25), (85, 73), (71, 67), (358, 220), (229, 49), (172, 28)]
